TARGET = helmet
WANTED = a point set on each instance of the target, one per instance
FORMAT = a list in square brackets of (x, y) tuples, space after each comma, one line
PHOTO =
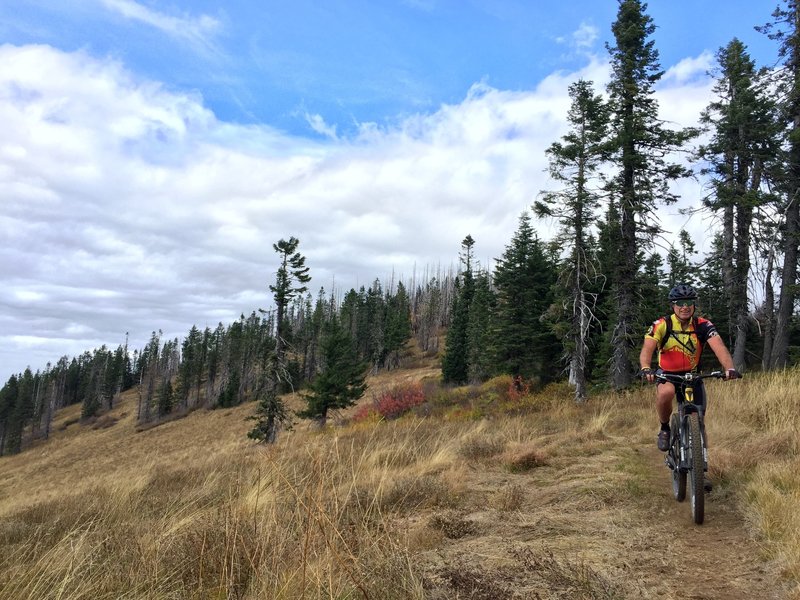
[(682, 291)]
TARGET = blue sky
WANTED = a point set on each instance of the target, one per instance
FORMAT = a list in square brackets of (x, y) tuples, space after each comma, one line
[(353, 62), (153, 151)]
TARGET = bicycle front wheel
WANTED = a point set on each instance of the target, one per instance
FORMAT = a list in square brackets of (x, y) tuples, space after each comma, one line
[(678, 476), (696, 466)]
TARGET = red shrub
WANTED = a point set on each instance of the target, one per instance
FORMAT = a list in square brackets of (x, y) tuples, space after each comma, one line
[(393, 403)]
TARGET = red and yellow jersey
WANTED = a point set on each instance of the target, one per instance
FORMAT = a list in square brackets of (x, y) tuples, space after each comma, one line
[(682, 350)]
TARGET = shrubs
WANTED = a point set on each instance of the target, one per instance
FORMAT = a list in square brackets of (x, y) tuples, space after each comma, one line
[(503, 394), (392, 403)]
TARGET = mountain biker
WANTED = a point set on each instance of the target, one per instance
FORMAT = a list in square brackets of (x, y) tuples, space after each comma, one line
[(680, 345)]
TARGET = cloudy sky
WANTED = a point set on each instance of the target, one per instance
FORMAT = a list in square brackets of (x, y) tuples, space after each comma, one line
[(152, 151)]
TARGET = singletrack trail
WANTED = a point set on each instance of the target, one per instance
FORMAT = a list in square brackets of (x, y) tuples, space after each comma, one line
[(597, 521)]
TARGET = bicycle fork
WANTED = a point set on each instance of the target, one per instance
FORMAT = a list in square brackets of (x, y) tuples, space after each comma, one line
[(681, 461)]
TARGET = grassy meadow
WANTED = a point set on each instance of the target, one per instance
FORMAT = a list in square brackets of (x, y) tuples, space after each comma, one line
[(479, 492)]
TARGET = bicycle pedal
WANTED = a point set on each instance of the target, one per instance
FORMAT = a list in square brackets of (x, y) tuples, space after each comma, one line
[(708, 486)]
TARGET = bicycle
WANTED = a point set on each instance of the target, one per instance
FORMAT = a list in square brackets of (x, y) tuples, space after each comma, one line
[(687, 456)]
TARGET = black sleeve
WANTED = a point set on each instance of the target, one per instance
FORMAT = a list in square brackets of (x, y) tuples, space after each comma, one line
[(706, 330)]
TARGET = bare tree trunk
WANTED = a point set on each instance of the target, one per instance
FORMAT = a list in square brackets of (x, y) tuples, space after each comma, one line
[(780, 346), (769, 311), (739, 299), (626, 281)]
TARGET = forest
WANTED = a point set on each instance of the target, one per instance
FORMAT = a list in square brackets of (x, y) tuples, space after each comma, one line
[(574, 307)]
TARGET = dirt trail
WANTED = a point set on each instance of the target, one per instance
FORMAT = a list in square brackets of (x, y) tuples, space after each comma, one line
[(597, 524)]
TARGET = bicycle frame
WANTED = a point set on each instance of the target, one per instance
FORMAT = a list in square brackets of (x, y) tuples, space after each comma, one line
[(685, 398), (681, 458)]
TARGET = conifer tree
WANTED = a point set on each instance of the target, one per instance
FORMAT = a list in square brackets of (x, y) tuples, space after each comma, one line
[(640, 148), (524, 277), (479, 329), (679, 261), (743, 145), (290, 280), (455, 364), (785, 29), (398, 325), (341, 380), (190, 368), (574, 162), (8, 401)]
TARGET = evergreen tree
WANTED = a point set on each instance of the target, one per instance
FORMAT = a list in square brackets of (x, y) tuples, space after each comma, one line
[(479, 329), (524, 278), (232, 366), (165, 398), (679, 260), (743, 143), (8, 401), (712, 292), (455, 364), (639, 147), (190, 368), (342, 379), (574, 162), (785, 30), (397, 330), (653, 296), (290, 280)]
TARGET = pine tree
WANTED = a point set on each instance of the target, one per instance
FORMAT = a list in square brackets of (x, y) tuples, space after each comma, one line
[(785, 28), (290, 280), (679, 260), (8, 400), (342, 379), (455, 364), (524, 277), (743, 143), (574, 163), (398, 325), (190, 368), (165, 398), (639, 147), (479, 329)]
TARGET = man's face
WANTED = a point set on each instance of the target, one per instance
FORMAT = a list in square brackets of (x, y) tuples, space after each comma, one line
[(683, 308)]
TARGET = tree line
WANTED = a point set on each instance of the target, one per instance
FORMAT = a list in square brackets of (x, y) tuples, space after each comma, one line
[(257, 357), (615, 169), (574, 307)]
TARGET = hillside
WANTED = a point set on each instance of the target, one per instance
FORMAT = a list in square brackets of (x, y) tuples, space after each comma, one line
[(487, 496)]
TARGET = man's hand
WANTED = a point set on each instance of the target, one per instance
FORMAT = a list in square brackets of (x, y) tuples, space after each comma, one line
[(647, 374), (732, 374)]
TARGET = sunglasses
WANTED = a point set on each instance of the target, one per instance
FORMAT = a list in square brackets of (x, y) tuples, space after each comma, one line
[(683, 303)]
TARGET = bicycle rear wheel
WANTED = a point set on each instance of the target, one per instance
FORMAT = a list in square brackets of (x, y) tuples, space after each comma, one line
[(678, 476), (696, 467)]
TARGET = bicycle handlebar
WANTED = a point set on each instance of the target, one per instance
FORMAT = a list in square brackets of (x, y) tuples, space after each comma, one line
[(688, 377)]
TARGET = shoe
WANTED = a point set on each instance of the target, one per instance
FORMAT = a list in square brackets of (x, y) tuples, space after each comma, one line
[(707, 485), (663, 440)]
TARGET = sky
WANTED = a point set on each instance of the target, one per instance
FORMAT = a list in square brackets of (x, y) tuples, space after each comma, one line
[(153, 151)]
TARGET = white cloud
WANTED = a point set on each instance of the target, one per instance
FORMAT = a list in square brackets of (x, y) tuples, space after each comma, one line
[(689, 69), (198, 31), (318, 124), (585, 36), (129, 208)]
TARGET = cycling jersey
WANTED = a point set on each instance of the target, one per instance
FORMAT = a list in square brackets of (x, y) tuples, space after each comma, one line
[(681, 352)]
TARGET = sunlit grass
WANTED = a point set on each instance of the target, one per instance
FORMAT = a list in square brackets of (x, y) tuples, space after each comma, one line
[(192, 509)]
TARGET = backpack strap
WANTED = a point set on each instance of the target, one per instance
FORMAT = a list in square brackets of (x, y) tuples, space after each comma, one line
[(668, 332)]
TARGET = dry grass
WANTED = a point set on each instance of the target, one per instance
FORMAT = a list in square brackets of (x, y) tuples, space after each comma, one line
[(192, 509)]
